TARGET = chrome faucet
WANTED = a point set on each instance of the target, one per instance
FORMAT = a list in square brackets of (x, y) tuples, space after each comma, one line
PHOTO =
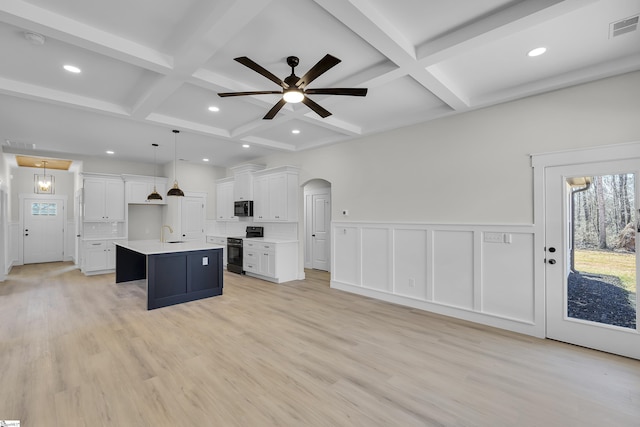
[(162, 232)]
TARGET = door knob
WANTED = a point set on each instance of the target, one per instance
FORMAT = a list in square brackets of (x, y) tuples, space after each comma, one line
[(552, 250), (552, 261), (313, 235)]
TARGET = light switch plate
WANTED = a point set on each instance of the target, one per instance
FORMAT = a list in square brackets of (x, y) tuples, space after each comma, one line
[(205, 260)]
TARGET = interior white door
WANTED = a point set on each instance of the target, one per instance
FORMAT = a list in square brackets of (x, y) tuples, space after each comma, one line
[(43, 231), (563, 292), (192, 218), (320, 225)]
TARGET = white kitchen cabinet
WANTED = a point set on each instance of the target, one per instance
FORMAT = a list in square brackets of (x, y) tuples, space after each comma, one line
[(276, 195), (243, 181), (137, 188), (224, 200), (275, 262), (220, 240), (99, 256), (186, 216), (103, 199)]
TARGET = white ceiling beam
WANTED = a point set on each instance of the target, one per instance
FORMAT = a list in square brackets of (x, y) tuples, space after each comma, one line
[(263, 142), (223, 21), (194, 127), (366, 21), (58, 97), (518, 17), (24, 15), (572, 78)]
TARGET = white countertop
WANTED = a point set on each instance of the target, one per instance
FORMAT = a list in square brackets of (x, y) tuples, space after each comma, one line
[(154, 247)]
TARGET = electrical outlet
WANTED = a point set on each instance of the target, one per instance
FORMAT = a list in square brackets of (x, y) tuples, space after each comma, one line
[(494, 237), (412, 282), (205, 260)]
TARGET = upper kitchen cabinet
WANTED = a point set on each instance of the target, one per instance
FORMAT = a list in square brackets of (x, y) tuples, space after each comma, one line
[(138, 187), (243, 181), (103, 198), (276, 194), (224, 200)]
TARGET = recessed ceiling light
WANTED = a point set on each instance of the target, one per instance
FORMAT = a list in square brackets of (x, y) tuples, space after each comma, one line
[(214, 109), (205, 160), (295, 131), (110, 152), (537, 51), (72, 69), (245, 145)]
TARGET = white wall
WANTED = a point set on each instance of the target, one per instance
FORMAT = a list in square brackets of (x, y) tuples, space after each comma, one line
[(197, 179), (22, 183), (472, 167), (426, 193)]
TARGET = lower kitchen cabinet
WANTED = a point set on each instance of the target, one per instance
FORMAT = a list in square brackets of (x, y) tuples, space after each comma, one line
[(273, 261), (218, 240), (99, 256)]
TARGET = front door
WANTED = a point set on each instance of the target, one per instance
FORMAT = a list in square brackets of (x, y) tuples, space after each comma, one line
[(43, 230), (591, 265)]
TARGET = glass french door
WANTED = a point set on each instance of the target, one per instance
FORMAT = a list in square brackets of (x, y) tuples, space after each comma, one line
[(591, 217)]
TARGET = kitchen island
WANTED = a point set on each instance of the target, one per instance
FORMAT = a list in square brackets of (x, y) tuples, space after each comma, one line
[(176, 272)]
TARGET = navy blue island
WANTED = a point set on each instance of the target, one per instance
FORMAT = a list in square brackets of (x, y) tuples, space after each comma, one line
[(176, 272)]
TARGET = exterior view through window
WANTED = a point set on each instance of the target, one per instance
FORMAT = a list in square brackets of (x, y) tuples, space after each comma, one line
[(602, 278)]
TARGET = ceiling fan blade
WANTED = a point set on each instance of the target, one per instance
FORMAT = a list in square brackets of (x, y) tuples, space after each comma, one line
[(317, 70), (316, 107), (258, 92), (261, 70), (338, 91), (272, 113)]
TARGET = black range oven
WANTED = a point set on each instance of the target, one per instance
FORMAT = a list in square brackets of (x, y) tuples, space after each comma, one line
[(234, 249)]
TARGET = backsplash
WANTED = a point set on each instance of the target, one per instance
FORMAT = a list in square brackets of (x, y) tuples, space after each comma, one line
[(288, 230)]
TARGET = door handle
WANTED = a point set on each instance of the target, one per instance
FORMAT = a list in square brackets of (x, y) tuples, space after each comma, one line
[(313, 235), (552, 261)]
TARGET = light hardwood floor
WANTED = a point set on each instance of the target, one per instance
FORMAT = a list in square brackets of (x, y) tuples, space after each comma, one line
[(83, 351)]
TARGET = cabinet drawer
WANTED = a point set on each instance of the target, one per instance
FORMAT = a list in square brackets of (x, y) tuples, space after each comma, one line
[(95, 245)]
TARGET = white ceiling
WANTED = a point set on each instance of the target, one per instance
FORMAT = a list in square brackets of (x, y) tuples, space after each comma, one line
[(149, 66)]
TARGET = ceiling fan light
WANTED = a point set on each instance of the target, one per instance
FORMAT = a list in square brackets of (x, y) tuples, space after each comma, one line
[(293, 96)]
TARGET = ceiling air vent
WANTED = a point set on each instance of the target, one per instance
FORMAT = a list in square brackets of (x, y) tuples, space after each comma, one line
[(625, 26)]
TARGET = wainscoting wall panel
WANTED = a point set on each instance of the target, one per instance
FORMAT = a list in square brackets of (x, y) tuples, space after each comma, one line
[(376, 250), (453, 268), (346, 267), (480, 273), (410, 270)]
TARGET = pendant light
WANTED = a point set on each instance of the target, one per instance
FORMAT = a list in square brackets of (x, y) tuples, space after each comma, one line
[(44, 183), (175, 191), (154, 194)]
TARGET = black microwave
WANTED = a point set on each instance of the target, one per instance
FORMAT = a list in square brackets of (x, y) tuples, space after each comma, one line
[(243, 208)]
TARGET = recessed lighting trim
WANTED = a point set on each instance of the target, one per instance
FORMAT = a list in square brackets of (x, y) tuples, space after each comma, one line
[(110, 152), (245, 146), (295, 131), (72, 68), (205, 160), (537, 51), (214, 109)]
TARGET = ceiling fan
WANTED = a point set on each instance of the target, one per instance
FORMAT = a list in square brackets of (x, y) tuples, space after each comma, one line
[(294, 88)]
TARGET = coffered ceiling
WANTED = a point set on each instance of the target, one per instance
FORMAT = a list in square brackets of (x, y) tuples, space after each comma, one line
[(149, 66)]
